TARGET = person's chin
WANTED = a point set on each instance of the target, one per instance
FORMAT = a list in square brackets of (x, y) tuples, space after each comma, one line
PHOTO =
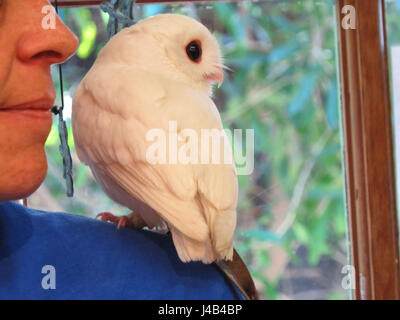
[(25, 182), (23, 174), (23, 163)]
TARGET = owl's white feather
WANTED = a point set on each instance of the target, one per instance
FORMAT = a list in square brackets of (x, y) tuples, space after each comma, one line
[(141, 80)]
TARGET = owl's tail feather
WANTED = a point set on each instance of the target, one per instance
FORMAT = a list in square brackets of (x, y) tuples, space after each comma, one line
[(218, 246), (223, 228), (192, 250), (238, 273), (235, 269)]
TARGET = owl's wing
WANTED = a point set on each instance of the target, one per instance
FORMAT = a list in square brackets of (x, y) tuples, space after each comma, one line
[(116, 110)]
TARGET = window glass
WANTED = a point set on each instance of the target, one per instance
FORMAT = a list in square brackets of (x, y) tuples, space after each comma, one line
[(283, 84), (393, 43)]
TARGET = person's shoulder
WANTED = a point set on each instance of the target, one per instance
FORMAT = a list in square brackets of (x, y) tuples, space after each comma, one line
[(94, 259)]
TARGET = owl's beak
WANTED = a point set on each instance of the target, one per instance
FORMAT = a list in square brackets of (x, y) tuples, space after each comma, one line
[(217, 76)]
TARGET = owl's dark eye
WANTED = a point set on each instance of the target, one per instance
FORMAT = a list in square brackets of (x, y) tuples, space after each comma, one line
[(193, 51)]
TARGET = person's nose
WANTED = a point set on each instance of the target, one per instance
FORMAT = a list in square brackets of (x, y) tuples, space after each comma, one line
[(47, 45)]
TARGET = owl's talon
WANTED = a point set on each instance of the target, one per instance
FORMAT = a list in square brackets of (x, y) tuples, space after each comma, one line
[(131, 220), (107, 216), (122, 222)]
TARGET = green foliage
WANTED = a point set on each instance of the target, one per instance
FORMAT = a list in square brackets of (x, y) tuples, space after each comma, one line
[(87, 35)]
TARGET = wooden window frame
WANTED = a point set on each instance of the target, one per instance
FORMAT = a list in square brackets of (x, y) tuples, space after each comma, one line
[(368, 147)]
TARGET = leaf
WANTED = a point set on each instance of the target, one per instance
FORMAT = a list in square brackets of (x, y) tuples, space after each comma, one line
[(153, 9), (271, 290), (247, 60), (321, 193), (339, 218), (260, 235), (52, 139), (271, 287), (282, 23), (283, 52), (331, 106), (71, 142), (88, 38), (304, 93), (318, 240), (264, 259), (261, 32), (229, 15), (301, 233)]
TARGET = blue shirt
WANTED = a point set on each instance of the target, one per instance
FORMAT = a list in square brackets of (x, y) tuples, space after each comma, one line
[(85, 258)]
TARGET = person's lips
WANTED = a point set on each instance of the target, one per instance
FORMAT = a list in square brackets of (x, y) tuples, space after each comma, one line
[(35, 109)]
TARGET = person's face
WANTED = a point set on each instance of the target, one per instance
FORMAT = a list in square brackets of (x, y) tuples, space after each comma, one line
[(27, 92)]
